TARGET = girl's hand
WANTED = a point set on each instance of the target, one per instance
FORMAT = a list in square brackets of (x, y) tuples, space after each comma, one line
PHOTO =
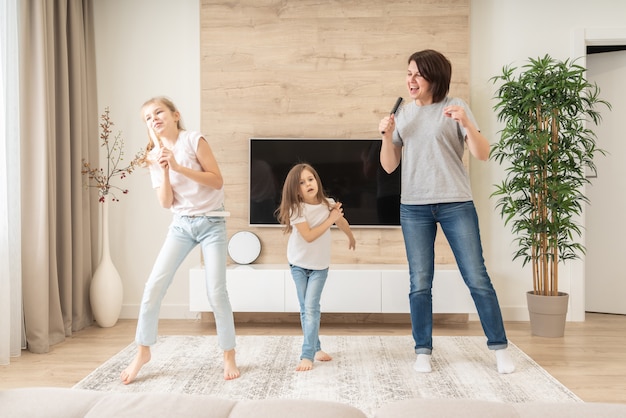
[(166, 159), (351, 242), (336, 212)]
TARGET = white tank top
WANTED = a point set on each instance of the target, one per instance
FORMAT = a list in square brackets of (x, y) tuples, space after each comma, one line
[(190, 197)]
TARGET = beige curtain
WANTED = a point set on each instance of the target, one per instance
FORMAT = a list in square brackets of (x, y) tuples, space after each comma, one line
[(59, 118)]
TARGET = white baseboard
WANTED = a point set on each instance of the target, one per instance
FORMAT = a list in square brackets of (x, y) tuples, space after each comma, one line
[(519, 313), (180, 311)]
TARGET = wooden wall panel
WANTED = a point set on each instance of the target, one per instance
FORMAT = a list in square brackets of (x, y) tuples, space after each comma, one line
[(316, 69)]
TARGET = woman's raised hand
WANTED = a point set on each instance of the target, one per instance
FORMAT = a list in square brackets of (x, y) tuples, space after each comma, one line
[(387, 125)]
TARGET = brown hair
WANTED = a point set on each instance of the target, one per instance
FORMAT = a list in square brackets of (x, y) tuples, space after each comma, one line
[(291, 201), (436, 69)]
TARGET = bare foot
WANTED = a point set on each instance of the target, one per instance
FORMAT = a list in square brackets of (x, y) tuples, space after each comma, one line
[(305, 365), (142, 357), (322, 356), (230, 366)]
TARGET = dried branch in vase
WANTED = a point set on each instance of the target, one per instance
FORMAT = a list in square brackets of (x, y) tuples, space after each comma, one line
[(101, 177)]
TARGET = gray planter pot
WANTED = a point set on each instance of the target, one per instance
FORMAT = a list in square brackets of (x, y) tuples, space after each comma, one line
[(547, 314)]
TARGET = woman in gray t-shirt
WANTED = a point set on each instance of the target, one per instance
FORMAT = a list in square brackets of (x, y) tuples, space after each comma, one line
[(428, 134)]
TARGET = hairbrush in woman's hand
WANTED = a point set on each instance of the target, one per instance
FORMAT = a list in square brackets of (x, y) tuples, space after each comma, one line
[(395, 109)]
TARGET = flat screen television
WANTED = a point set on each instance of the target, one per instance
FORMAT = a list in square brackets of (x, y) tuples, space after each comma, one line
[(349, 169)]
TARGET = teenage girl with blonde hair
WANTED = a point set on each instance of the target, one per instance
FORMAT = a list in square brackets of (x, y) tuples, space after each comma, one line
[(188, 181), (308, 214)]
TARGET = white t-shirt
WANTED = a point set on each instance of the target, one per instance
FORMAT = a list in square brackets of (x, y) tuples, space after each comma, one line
[(310, 255), (190, 197)]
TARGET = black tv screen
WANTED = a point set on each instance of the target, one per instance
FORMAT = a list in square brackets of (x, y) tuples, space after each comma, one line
[(349, 169)]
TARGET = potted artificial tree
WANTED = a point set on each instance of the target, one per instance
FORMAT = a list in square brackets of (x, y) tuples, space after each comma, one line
[(548, 151)]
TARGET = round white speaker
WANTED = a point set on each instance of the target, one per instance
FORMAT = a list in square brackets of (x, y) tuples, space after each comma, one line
[(244, 247)]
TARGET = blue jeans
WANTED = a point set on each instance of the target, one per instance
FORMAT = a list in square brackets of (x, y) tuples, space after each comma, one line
[(185, 232), (459, 223), (309, 286)]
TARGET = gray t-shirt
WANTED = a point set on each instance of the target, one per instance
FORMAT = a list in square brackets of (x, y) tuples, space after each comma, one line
[(432, 154)]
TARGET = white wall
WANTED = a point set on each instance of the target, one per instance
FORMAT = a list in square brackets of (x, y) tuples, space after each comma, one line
[(505, 32), (146, 48), (151, 47)]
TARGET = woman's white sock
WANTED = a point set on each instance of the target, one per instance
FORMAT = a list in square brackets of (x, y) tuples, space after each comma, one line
[(505, 362), (422, 364)]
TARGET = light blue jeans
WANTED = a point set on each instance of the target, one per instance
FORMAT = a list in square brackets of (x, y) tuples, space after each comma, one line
[(185, 232), (459, 223), (309, 286)]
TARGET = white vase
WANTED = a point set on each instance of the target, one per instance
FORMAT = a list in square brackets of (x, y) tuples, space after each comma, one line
[(106, 290)]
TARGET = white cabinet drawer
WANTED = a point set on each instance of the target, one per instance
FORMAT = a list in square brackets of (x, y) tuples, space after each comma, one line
[(349, 288), (249, 290), (345, 291)]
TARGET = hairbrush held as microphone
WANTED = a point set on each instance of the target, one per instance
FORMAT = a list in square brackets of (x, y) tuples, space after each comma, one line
[(395, 109)]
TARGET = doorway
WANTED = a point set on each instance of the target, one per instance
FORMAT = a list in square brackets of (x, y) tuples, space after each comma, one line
[(605, 229)]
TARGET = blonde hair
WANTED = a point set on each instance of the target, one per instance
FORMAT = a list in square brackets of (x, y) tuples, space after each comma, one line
[(291, 201), (143, 161)]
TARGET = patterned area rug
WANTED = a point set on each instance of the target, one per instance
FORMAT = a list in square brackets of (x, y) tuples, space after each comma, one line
[(366, 371)]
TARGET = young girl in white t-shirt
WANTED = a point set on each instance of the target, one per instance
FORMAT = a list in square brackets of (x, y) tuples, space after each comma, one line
[(308, 214)]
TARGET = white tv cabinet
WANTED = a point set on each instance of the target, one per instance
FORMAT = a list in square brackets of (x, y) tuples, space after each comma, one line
[(353, 288)]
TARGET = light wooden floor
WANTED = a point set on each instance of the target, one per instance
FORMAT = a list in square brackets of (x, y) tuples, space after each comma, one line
[(590, 359)]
